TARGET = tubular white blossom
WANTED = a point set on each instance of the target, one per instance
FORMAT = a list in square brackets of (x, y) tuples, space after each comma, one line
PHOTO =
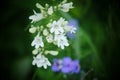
[(36, 17), (53, 32), (56, 28), (65, 7), (70, 29), (61, 40), (40, 60), (37, 42)]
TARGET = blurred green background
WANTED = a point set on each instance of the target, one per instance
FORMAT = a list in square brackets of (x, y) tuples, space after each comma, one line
[(96, 43)]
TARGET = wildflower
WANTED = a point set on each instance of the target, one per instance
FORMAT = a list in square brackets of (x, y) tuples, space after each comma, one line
[(56, 28), (36, 17), (73, 24), (40, 60), (56, 65), (61, 41), (66, 65), (66, 6), (61, 21), (75, 66), (37, 42)]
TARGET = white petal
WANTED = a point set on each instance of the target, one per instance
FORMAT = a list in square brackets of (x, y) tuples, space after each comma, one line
[(45, 66)]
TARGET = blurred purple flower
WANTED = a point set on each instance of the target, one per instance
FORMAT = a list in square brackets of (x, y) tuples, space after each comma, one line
[(75, 66), (73, 23), (66, 65), (56, 65)]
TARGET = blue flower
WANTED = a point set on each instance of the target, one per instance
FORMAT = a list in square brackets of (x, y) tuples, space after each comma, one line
[(75, 66), (66, 65), (56, 65), (73, 23)]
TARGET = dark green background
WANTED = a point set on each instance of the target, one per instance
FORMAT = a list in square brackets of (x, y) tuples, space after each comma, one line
[(15, 40)]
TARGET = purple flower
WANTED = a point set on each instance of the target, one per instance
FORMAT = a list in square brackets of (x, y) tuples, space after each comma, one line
[(66, 65), (73, 23), (75, 66), (56, 65)]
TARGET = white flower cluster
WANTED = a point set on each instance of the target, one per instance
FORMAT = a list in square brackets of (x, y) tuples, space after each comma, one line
[(52, 32)]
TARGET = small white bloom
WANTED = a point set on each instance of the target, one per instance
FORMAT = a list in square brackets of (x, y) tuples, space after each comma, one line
[(70, 29), (73, 29), (61, 41), (56, 28), (32, 30), (54, 53), (61, 21), (40, 60), (50, 10), (45, 32), (49, 38), (65, 7), (36, 17), (37, 42)]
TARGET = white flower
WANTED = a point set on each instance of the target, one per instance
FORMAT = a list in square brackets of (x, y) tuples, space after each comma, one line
[(37, 42), (61, 41), (32, 29), (73, 29), (45, 32), (50, 10), (54, 53), (70, 29), (40, 60), (61, 21), (49, 38), (36, 17), (56, 27), (65, 7)]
